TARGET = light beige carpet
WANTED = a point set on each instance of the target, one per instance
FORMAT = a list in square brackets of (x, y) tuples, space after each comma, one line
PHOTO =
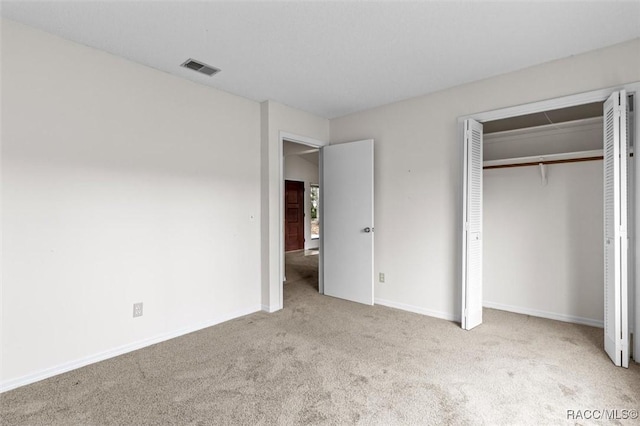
[(327, 361)]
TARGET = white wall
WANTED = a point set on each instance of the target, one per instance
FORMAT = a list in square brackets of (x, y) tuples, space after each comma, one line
[(418, 157), (543, 252), (277, 118), (120, 184), (301, 170)]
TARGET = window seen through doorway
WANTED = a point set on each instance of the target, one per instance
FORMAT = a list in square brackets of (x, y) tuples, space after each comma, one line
[(315, 212)]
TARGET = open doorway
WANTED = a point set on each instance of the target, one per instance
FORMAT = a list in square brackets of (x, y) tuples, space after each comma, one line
[(617, 242), (345, 214), (301, 175)]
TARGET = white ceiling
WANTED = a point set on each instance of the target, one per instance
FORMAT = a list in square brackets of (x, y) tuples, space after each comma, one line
[(335, 58)]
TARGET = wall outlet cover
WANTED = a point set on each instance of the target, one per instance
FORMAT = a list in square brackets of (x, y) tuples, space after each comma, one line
[(137, 309)]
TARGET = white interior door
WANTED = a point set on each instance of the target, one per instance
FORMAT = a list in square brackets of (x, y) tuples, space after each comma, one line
[(472, 226), (616, 327), (347, 228)]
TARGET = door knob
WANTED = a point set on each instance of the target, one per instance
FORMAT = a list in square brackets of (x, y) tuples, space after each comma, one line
[(367, 229)]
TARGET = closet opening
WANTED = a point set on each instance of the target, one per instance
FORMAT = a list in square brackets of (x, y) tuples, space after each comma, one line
[(542, 214), (548, 215)]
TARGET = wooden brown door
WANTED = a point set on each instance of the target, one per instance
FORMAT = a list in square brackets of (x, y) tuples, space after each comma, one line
[(294, 215)]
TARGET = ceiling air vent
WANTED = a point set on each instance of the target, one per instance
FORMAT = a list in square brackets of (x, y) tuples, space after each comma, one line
[(200, 67)]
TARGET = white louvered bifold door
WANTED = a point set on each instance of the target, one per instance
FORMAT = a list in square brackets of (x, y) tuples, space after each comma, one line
[(616, 328), (472, 223)]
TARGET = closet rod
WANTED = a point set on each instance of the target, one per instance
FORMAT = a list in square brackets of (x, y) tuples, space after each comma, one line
[(547, 162)]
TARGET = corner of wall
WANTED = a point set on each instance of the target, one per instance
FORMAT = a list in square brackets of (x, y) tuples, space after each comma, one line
[(264, 204)]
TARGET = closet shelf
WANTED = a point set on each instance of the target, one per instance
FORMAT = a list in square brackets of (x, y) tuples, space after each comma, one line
[(535, 160)]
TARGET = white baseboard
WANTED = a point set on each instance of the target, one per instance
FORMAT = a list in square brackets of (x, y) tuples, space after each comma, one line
[(269, 309), (417, 309), (516, 309), (72, 365), (544, 314)]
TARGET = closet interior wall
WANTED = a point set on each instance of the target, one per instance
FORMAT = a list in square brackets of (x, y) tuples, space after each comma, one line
[(543, 251)]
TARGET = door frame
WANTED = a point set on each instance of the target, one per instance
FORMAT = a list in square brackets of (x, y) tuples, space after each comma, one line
[(314, 143), (599, 95)]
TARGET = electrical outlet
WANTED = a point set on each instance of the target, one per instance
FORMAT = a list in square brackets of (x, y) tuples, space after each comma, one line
[(381, 277), (137, 309)]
